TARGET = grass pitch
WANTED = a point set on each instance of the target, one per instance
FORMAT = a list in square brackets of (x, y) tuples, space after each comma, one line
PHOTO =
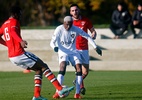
[(100, 85)]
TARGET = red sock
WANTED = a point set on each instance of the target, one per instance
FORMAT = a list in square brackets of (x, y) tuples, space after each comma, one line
[(51, 77), (38, 82)]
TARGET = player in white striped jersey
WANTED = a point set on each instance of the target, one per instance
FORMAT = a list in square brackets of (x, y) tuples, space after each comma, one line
[(63, 41)]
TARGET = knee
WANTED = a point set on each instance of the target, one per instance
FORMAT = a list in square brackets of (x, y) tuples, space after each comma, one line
[(85, 73)]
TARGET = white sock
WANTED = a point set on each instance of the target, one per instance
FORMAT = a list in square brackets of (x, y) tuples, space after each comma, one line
[(60, 78), (78, 83)]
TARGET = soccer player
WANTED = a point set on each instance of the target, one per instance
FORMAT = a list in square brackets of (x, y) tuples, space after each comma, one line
[(63, 41), (81, 42), (18, 56)]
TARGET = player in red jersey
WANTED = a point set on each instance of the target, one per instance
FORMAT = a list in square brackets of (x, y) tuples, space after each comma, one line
[(18, 56), (82, 43)]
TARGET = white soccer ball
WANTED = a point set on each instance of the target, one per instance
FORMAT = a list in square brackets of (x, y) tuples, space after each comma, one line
[(65, 94)]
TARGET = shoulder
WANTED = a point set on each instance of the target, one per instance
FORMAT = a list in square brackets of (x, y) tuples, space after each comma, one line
[(58, 29), (76, 29), (85, 18)]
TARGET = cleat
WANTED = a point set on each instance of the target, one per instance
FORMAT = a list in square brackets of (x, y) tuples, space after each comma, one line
[(39, 98), (26, 71), (65, 91), (56, 96), (77, 96), (83, 90)]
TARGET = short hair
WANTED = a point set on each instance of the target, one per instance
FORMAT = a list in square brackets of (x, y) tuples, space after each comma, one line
[(15, 10), (72, 5), (68, 19)]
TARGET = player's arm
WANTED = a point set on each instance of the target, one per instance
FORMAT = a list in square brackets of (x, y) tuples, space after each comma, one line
[(93, 33), (14, 34), (1, 39), (91, 41), (53, 42), (92, 29)]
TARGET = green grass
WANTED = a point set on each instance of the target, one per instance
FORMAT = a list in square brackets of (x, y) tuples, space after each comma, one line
[(100, 85)]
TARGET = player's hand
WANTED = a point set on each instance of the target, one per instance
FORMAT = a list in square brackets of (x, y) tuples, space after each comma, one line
[(99, 51), (24, 44), (93, 36), (56, 49)]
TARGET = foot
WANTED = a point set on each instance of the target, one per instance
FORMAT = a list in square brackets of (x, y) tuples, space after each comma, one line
[(82, 90), (65, 91), (56, 96), (116, 37), (26, 71), (39, 98), (77, 96)]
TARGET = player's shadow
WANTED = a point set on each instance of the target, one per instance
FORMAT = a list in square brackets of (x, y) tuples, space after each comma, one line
[(94, 58), (105, 37)]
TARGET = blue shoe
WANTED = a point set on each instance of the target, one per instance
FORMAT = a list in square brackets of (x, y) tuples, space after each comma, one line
[(39, 98), (65, 91)]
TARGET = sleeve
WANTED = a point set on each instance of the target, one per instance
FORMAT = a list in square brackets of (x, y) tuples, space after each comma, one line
[(15, 31), (114, 19), (1, 39), (53, 42), (85, 35), (134, 16), (89, 24), (14, 34)]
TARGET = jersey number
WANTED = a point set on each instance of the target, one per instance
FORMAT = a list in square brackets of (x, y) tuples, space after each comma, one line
[(7, 34)]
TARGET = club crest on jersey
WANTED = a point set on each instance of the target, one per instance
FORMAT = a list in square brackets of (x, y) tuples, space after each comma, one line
[(82, 23), (72, 35)]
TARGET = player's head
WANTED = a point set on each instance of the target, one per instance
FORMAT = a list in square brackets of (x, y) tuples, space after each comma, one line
[(74, 11), (121, 6), (68, 21), (140, 6), (15, 12)]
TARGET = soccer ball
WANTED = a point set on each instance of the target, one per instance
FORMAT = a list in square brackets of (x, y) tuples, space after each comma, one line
[(65, 94)]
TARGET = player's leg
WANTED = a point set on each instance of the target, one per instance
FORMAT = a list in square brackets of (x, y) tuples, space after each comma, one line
[(51, 77), (31, 62), (75, 60), (85, 72), (85, 68), (28, 61), (78, 80), (62, 71)]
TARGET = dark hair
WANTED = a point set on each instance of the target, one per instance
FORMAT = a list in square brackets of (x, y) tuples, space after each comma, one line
[(15, 10), (140, 4), (74, 5), (124, 5)]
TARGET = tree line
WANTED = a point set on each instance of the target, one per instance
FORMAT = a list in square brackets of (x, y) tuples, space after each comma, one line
[(52, 12)]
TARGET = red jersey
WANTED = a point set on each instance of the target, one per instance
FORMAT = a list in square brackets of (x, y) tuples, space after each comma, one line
[(11, 31), (85, 24)]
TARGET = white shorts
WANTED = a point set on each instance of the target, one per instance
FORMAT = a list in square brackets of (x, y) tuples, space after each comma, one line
[(84, 56), (26, 60), (72, 58)]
